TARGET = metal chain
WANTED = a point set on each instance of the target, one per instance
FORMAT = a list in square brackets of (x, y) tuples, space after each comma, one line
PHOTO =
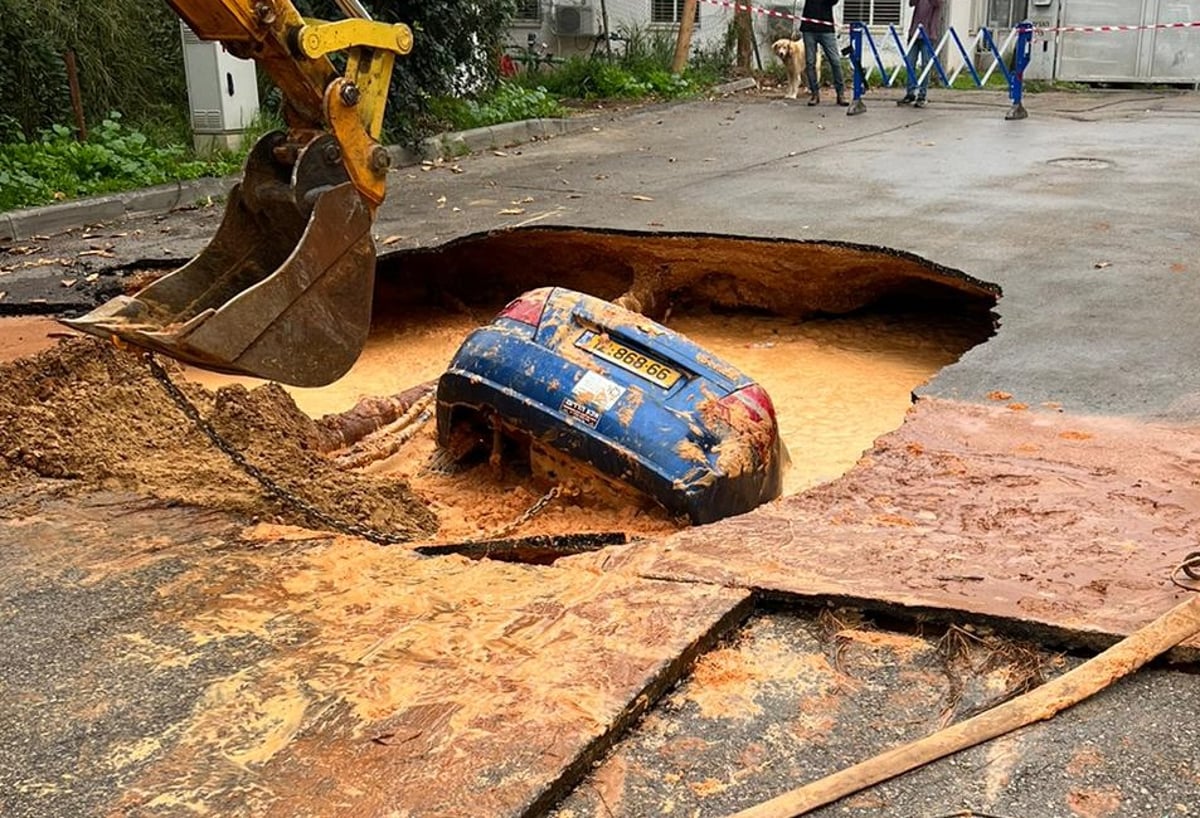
[(272, 488), (531, 512), (1190, 568)]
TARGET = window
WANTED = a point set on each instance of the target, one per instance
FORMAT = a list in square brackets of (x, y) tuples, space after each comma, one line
[(1004, 14), (872, 12), (669, 11), (529, 10)]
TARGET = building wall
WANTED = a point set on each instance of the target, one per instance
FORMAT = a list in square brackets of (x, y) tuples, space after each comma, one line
[(623, 15), (964, 15)]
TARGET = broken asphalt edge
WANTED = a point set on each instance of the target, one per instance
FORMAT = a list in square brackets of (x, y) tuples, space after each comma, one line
[(666, 676), (17, 225)]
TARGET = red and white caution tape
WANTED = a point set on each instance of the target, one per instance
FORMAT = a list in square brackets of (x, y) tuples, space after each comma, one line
[(1093, 29), (765, 12), (762, 12)]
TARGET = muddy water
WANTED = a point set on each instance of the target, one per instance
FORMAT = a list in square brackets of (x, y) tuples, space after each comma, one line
[(27, 335), (837, 384)]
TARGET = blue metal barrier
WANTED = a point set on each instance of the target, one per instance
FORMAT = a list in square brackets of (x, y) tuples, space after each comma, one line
[(857, 106), (1014, 77), (1016, 88)]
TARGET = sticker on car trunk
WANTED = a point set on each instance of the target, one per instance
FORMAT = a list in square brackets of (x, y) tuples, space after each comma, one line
[(593, 389), (584, 414)]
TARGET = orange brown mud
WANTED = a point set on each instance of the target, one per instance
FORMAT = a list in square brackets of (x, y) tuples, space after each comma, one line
[(330, 676)]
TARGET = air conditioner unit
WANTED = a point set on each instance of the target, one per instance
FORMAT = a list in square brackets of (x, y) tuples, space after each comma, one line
[(575, 21)]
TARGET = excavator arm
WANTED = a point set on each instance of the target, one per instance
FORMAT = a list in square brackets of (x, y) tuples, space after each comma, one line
[(283, 290)]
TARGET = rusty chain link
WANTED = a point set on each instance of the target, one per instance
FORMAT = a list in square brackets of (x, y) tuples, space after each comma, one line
[(1190, 568), (272, 488), (529, 513), (278, 492)]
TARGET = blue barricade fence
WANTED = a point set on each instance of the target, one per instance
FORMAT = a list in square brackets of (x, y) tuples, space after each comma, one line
[(921, 46)]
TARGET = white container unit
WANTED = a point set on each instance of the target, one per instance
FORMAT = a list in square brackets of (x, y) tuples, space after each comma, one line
[(222, 93)]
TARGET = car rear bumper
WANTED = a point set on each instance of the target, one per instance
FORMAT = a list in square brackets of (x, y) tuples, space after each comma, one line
[(696, 490)]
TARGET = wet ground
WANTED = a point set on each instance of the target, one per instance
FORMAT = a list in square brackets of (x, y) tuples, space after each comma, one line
[(1042, 487)]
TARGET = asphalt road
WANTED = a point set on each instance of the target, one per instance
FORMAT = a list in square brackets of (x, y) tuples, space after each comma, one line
[(1085, 215)]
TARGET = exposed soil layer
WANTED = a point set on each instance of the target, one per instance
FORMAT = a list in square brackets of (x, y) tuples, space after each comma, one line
[(85, 411), (778, 276)]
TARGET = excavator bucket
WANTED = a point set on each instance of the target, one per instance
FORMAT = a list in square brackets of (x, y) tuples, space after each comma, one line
[(283, 291)]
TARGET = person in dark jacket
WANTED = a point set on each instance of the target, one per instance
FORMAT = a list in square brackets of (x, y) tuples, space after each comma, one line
[(927, 14), (817, 29)]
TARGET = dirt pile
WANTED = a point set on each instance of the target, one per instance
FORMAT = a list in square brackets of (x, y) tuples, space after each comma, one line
[(87, 412)]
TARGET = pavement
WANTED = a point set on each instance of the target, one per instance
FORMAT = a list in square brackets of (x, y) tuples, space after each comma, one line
[(1041, 489)]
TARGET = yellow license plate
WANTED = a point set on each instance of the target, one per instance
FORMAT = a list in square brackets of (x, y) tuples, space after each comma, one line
[(632, 360)]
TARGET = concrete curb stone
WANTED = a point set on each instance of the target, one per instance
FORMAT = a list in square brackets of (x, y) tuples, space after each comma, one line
[(48, 219), (22, 224)]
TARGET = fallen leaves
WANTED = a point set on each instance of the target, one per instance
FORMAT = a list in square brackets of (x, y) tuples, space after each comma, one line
[(441, 164), (998, 395), (46, 261)]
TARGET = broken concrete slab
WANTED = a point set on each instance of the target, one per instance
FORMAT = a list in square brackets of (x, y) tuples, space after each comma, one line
[(159, 658), (1066, 524)]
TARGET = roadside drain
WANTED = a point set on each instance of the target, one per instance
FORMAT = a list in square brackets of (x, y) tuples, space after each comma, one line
[(1081, 162)]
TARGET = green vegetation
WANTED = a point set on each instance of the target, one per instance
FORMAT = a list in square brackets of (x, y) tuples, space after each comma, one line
[(550, 87), (127, 55), (136, 60), (115, 157), (510, 102)]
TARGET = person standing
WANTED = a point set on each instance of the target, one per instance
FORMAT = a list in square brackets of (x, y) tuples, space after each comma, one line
[(818, 30), (926, 14)]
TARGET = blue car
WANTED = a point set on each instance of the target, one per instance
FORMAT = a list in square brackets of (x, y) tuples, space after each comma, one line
[(610, 388)]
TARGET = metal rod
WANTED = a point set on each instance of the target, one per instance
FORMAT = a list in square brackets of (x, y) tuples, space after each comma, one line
[(353, 8), (76, 96), (967, 62)]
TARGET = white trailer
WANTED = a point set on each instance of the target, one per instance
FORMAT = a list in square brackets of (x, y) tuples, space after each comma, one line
[(1145, 46)]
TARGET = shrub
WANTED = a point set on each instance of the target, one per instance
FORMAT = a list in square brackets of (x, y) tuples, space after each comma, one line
[(127, 52), (511, 103), (115, 157)]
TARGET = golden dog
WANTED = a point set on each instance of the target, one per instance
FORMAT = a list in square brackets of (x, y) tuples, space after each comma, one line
[(791, 54)]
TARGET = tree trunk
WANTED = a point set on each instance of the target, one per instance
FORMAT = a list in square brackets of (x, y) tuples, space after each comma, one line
[(683, 45), (744, 25)]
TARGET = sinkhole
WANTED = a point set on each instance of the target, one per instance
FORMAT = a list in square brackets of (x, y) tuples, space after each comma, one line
[(838, 334)]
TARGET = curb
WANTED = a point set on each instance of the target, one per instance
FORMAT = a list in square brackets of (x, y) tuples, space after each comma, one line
[(492, 137), (22, 224), (17, 225)]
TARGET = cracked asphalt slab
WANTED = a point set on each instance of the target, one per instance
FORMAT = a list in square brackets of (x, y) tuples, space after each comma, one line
[(1027, 453)]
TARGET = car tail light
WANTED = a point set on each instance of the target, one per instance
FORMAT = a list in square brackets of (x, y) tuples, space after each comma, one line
[(527, 308), (755, 399), (754, 403)]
